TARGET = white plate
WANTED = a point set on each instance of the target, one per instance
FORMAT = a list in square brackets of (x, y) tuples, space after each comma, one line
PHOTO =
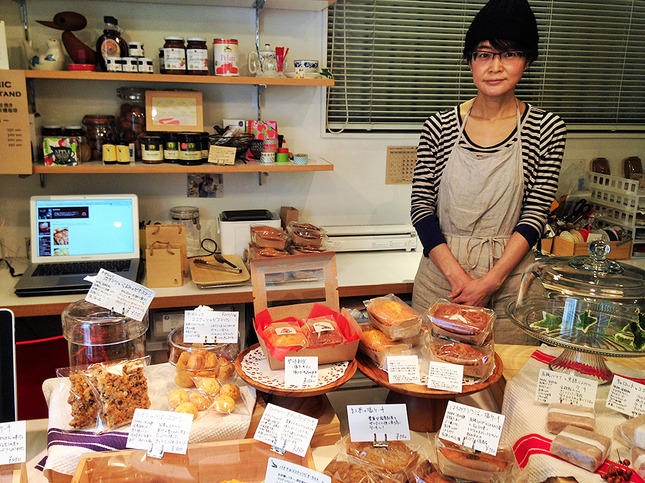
[(292, 75)]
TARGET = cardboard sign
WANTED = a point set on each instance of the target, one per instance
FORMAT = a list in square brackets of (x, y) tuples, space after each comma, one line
[(221, 155), (15, 142), (403, 369)]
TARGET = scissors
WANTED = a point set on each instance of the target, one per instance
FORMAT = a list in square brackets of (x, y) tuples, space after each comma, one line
[(581, 209)]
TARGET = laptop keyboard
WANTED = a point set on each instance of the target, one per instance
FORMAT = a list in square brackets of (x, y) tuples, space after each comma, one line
[(76, 268)]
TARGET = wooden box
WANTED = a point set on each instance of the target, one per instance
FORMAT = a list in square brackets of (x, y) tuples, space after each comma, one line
[(565, 248), (13, 473)]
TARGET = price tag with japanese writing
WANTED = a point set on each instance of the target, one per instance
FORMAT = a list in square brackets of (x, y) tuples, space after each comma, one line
[(626, 396), (280, 471), (285, 430), (120, 295), (446, 377), (159, 432), (381, 420), (301, 371), (403, 369), (472, 427), (13, 442), (557, 387), (211, 327)]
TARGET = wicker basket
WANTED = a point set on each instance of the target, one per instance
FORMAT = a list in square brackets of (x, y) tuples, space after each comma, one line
[(240, 142)]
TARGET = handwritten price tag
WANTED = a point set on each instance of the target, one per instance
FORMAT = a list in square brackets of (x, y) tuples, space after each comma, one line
[(279, 471), (286, 429), (403, 369), (116, 293), (382, 420), (557, 387), (446, 377), (159, 432), (211, 327), (472, 427), (301, 371), (626, 396), (13, 442)]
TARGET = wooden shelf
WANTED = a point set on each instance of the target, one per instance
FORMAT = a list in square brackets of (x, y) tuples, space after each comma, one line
[(175, 79), (312, 5), (97, 167)]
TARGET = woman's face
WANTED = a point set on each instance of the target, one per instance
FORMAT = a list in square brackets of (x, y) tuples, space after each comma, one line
[(495, 78)]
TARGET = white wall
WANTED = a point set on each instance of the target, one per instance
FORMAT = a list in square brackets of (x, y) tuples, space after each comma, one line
[(354, 193)]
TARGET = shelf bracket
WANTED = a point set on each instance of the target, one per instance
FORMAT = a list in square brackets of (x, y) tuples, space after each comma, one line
[(262, 177), (260, 88)]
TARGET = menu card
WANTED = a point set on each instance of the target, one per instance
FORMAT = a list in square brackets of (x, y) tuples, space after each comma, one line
[(445, 376), (472, 427), (159, 432), (279, 471), (120, 295), (13, 442), (626, 396), (403, 369), (557, 387), (285, 430), (301, 371), (378, 422), (211, 327)]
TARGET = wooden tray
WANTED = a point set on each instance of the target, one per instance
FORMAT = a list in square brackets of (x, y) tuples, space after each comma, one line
[(208, 277)]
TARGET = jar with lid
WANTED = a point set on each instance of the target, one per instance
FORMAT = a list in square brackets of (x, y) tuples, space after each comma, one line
[(151, 149), (131, 121), (99, 130), (190, 148), (189, 217), (95, 334), (77, 132), (170, 147), (196, 56), (173, 56), (206, 145)]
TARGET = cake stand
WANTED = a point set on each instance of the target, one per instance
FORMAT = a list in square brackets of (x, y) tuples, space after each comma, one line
[(426, 407), (309, 401)]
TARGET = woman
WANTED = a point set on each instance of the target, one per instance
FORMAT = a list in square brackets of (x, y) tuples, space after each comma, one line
[(486, 174)]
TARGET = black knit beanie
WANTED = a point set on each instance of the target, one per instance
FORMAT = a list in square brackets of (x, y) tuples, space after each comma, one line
[(511, 20)]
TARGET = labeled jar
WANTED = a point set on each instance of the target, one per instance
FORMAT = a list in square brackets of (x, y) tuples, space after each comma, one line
[(109, 153), (145, 65), (170, 147), (77, 132), (99, 130), (114, 64), (225, 57), (151, 149), (190, 149), (206, 146), (196, 56), (135, 49), (173, 56), (131, 122), (130, 64)]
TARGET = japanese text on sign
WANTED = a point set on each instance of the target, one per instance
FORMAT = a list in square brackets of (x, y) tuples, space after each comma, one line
[(403, 369), (13, 442), (446, 377), (472, 427), (301, 371), (381, 420), (557, 387), (211, 327), (120, 295), (165, 430), (626, 396), (279, 471), (285, 429)]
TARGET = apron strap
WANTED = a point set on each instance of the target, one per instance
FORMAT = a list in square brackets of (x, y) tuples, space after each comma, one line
[(475, 246)]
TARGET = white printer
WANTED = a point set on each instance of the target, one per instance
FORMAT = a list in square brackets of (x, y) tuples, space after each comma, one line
[(350, 238), (234, 226)]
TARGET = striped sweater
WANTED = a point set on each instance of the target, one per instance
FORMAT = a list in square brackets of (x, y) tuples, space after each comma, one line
[(543, 139)]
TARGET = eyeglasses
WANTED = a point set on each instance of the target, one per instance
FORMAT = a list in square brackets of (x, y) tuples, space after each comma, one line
[(505, 57)]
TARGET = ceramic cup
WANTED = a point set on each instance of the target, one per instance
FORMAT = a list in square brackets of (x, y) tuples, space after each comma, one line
[(305, 67)]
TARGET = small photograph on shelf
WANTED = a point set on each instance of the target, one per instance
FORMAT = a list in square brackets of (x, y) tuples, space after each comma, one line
[(208, 185), (174, 111)]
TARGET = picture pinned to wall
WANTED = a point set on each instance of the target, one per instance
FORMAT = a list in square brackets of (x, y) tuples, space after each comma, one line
[(205, 185), (174, 111)]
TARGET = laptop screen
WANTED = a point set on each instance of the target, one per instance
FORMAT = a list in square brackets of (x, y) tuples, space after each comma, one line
[(8, 408), (87, 227)]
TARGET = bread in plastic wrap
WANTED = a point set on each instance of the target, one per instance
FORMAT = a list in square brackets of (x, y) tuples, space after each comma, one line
[(285, 334), (580, 447), (561, 415), (393, 316), (378, 346), (632, 432), (638, 461), (322, 331), (478, 361), (462, 323)]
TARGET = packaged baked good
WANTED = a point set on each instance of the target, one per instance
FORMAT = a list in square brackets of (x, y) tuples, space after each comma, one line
[(580, 447), (305, 234), (285, 334), (83, 401), (322, 331), (255, 251), (638, 461), (462, 323), (393, 316), (631, 432), (561, 415), (396, 458), (478, 361), (342, 470), (378, 346), (268, 237), (458, 462)]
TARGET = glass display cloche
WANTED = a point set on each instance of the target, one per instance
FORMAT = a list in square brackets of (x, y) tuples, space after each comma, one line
[(590, 305)]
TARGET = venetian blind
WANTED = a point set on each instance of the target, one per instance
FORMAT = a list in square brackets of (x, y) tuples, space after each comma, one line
[(397, 61)]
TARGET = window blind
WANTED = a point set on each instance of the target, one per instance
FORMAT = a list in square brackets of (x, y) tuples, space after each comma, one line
[(395, 62)]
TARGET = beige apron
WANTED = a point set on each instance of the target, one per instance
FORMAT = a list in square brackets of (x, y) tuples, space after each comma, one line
[(478, 205)]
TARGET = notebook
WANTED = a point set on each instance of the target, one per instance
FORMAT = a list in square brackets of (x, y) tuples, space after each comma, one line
[(74, 236), (8, 394)]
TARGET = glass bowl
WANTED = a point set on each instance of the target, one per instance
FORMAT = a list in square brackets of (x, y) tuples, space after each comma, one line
[(176, 346)]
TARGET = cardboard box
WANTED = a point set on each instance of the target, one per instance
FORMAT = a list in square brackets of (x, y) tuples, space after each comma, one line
[(565, 248), (13, 473), (287, 214), (305, 264)]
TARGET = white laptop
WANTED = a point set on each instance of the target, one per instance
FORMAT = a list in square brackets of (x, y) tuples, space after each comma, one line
[(74, 236)]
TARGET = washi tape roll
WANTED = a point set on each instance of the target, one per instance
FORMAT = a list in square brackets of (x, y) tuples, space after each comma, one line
[(300, 158)]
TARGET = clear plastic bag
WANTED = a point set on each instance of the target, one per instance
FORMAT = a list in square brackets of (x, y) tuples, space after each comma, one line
[(461, 323), (393, 316)]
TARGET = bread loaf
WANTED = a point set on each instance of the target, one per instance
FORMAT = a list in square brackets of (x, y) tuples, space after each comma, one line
[(561, 415), (632, 432), (396, 457), (473, 466), (580, 447), (461, 322)]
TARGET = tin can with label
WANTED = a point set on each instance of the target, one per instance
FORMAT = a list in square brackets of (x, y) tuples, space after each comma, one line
[(225, 57)]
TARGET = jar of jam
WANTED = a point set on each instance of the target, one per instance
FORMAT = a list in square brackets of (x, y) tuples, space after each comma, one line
[(170, 147), (196, 56), (99, 130), (174, 56), (131, 122), (206, 145), (151, 149), (190, 148)]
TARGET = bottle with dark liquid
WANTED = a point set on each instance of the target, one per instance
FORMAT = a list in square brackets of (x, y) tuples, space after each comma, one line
[(110, 44)]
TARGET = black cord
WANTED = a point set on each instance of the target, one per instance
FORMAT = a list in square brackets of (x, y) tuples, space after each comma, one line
[(209, 245), (12, 271)]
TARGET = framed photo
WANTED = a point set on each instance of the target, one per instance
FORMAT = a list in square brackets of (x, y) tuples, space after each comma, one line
[(174, 111)]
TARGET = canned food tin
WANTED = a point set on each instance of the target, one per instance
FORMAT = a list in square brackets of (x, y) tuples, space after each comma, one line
[(225, 57)]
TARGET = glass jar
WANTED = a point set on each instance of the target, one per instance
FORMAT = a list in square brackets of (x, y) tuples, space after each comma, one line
[(131, 122), (99, 130), (95, 334), (196, 56), (151, 149), (206, 145), (173, 56), (189, 217), (171, 147), (190, 148)]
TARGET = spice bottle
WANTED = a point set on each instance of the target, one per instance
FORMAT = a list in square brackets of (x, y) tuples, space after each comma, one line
[(196, 56), (110, 44), (173, 56)]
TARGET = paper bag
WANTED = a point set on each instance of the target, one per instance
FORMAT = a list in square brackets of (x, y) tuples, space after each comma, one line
[(172, 236), (164, 267)]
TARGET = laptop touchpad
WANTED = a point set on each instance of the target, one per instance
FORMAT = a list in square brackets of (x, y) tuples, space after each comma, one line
[(73, 280)]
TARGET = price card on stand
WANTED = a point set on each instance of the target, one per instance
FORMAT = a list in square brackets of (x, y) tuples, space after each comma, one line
[(403, 369), (472, 427), (378, 421), (626, 396), (13, 442), (557, 387), (120, 295), (159, 432), (211, 327), (446, 377), (301, 371), (285, 430), (280, 471)]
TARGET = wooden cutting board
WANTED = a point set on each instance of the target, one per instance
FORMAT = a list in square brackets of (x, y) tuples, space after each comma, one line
[(209, 277)]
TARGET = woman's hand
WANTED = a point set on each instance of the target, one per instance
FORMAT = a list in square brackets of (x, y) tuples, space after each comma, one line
[(477, 292)]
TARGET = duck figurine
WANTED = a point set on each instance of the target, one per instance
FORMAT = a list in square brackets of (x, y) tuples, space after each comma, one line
[(51, 59), (70, 22)]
